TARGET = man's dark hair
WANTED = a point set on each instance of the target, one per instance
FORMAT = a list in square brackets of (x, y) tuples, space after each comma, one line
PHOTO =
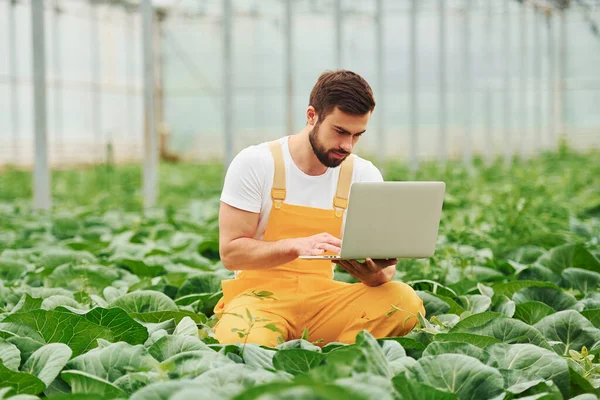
[(343, 89)]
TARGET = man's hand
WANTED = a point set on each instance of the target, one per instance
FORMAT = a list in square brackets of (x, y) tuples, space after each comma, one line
[(371, 272), (315, 245)]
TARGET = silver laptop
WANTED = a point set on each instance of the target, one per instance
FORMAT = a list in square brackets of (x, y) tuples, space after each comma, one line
[(390, 220)]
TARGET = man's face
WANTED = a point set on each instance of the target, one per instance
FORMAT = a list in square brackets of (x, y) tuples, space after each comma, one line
[(334, 138)]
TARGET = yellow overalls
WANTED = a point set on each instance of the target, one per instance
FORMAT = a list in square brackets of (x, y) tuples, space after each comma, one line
[(304, 294)]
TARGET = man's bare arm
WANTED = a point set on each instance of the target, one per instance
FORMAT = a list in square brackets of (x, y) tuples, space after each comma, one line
[(240, 251)]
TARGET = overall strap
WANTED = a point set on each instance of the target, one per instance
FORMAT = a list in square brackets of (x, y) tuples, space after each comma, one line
[(278, 191), (340, 202)]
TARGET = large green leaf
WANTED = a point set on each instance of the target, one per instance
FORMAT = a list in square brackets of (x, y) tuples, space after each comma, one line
[(585, 396), (504, 305), (114, 361), (9, 329), (392, 350), (193, 363), (510, 288), (299, 344), (92, 278), (365, 356), (144, 301), (297, 361), (465, 376), (27, 303), (139, 266), (509, 331), (44, 292), (54, 257), (134, 381), (47, 362), (445, 321), (583, 280), (369, 386), (571, 329), (63, 327), (65, 226), (159, 391), (521, 385), (593, 316), (433, 304), (21, 382), (11, 270), (530, 360), (290, 390), (476, 340), (163, 316), (481, 274), (475, 303), (437, 348), (402, 365), (555, 298), (527, 254), (202, 282), (476, 320), (53, 302), (80, 330), (372, 353), (257, 356), (171, 345), (539, 273), (231, 379), (82, 382), (531, 312), (186, 327), (10, 355), (123, 327), (591, 301), (26, 346), (570, 256), (409, 389), (579, 384), (412, 347)]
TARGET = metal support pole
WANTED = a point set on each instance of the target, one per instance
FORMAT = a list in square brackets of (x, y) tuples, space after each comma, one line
[(130, 57), (58, 100), (338, 33), (159, 85), (150, 140), (443, 97), (379, 45), (467, 95), (227, 82), (96, 78), (289, 67), (14, 88), (489, 56), (551, 84), (538, 140), (413, 95), (159, 79), (562, 76), (523, 77), (41, 188), (507, 86)]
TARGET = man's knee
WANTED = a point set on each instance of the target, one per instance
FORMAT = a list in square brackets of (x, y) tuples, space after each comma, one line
[(401, 297)]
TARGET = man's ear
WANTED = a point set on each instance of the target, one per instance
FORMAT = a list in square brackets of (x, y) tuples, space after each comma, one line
[(311, 116)]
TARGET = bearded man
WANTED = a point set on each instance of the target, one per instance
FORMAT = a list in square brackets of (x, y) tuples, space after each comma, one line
[(287, 198)]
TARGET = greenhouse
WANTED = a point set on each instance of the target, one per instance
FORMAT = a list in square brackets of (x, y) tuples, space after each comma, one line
[(300, 199)]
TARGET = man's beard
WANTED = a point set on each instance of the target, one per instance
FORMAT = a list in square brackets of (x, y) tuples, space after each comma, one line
[(320, 151)]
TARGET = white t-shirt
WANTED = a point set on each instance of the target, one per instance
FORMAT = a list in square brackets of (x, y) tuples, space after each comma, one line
[(249, 180)]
